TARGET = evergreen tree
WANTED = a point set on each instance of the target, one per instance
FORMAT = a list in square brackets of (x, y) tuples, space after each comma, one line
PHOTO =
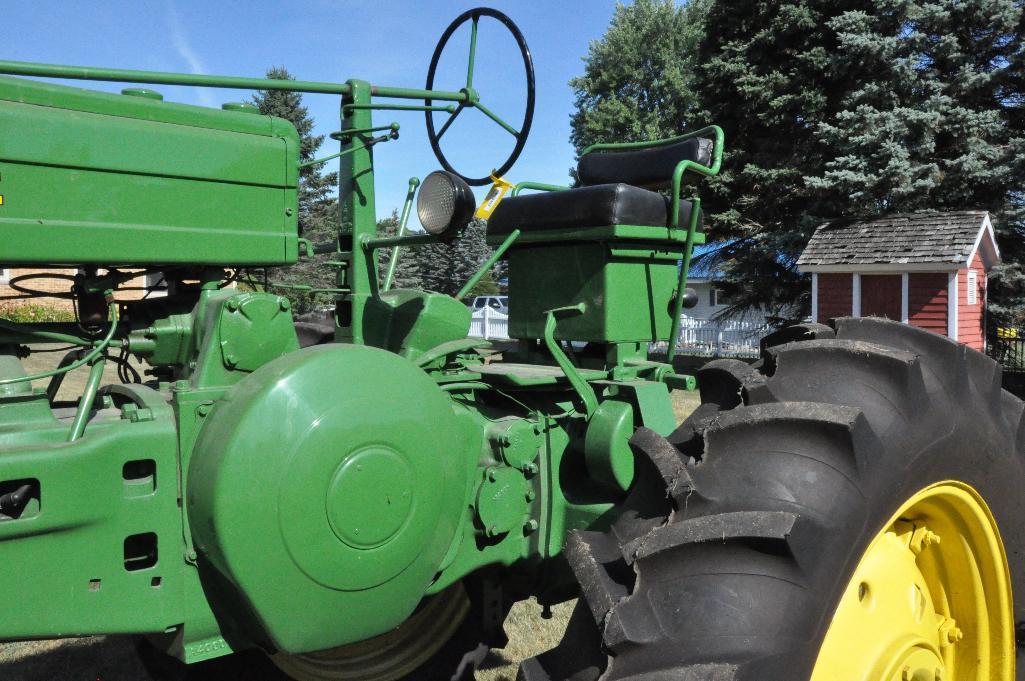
[(407, 272), (315, 187), (638, 81), (831, 108), (860, 109), (446, 267), (318, 209)]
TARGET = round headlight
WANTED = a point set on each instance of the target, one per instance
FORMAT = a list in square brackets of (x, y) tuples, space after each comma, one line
[(445, 203)]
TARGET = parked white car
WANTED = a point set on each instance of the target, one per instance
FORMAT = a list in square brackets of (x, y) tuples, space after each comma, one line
[(496, 303)]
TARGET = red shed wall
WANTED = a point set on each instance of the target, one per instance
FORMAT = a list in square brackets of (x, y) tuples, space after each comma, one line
[(970, 318), (881, 296), (835, 296), (927, 301)]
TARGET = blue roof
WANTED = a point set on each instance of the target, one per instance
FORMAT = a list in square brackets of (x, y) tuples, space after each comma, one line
[(702, 264)]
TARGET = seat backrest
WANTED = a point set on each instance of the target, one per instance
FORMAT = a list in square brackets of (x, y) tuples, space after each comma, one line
[(651, 167)]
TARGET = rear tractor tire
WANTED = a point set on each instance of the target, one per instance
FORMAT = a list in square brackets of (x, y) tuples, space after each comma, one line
[(851, 508)]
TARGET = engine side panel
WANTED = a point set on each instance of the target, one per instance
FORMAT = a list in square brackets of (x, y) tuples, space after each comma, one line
[(91, 177)]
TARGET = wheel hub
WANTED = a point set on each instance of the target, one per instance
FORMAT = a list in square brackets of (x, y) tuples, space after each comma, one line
[(930, 599)]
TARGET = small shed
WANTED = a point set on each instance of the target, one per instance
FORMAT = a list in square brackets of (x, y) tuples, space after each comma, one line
[(926, 269)]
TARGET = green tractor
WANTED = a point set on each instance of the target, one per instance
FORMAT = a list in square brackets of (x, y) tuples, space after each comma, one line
[(364, 496)]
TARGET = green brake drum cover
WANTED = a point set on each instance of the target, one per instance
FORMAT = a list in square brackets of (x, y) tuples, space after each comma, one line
[(326, 488)]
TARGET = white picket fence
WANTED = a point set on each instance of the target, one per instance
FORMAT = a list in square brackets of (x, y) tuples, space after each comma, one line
[(489, 324), (720, 338)]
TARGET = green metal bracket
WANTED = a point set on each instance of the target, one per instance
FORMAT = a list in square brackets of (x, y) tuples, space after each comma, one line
[(407, 207), (681, 285), (680, 382), (394, 135), (305, 287), (373, 243), (488, 264), (622, 146), (85, 403), (582, 387), (450, 348), (345, 136), (450, 108), (540, 186)]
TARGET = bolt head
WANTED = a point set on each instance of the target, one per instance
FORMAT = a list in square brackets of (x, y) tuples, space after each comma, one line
[(284, 304), (232, 304), (922, 538), (231, 360), (492, 475), (530, 526)]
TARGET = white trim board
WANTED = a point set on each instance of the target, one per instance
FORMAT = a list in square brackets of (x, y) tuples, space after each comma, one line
[(952, 305), (987, 229), (856, 294), (904, 297), (885, 268), (814, 297)]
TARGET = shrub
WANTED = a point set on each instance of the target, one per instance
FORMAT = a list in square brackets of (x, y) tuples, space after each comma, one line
[(35, 312)]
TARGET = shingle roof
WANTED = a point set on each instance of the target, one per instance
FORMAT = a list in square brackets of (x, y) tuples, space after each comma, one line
[(926, 237), (703, 265)]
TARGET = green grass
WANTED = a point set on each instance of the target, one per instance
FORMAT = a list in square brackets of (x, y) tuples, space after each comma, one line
[(114, 658), (35, 312)]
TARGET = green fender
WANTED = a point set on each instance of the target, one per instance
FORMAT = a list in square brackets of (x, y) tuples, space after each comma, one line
[(325, 491)]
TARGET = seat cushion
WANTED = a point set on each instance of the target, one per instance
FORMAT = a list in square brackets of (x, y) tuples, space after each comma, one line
[(651, 167), (596, 206)]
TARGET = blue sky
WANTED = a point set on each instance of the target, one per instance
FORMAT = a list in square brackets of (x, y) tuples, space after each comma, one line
[(387, 43)]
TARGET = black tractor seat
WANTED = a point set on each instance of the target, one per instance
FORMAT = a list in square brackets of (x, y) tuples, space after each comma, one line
[(612, 193), (594, 206), (648, 167)]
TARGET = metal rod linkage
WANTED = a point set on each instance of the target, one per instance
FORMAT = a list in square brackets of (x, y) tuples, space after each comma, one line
[(407, 207), (17, 68)]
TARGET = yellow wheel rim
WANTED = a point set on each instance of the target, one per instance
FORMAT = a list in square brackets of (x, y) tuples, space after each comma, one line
[(930, 599)]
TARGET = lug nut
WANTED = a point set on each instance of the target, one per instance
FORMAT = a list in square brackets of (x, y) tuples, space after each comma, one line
[(922, 538), (949, 632)]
